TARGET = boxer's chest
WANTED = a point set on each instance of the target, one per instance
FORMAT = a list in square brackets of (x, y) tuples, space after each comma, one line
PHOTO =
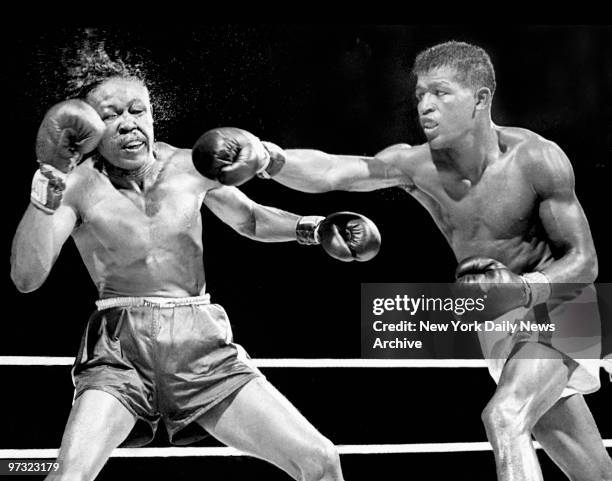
[(128, 219), (501, 205)]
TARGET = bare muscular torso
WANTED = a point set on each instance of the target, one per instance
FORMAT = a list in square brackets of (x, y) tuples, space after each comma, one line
[(142, 243), (496, 217)]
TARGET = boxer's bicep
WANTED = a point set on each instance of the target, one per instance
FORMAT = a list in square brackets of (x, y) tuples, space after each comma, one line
[(369, 173), (37, 244), (232, 207), (391, 167), (561, 214), (250, 219), (565, 223)]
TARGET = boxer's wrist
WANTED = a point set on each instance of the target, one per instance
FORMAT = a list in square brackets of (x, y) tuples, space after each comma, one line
[(48, 185), (538, 288), (275, 162), (307, 229), (261, 171)]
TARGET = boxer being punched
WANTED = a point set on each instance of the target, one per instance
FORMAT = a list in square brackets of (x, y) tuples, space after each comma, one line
[(156, 347), (504, 199)]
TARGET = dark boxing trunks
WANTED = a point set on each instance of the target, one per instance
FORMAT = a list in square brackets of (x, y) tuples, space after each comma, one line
[(170, 360)]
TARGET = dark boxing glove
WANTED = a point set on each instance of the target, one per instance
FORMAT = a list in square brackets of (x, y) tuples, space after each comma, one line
[(345, 236), (68, 131), (501, 289), (229, 155)]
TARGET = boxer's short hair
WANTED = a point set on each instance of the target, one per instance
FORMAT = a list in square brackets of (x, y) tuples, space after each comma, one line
[(472, 63)]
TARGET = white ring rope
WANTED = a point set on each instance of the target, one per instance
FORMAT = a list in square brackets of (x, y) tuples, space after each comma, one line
[(225, 451), (278, 362), (281, 362)]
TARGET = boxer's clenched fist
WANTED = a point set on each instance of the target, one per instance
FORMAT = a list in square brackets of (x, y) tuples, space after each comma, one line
[(229, 155), (501, 289), (345, 236)]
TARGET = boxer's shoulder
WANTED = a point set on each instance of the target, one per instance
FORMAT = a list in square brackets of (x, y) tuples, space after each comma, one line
[(541, 160), (177, 158), (169, 154), (528, 145), (182, 163)]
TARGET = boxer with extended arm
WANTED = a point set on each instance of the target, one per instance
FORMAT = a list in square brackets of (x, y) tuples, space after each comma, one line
[(504, 199)]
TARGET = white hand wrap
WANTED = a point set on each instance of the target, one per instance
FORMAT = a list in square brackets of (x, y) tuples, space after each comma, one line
[(48, 185), (538, 287), (262, 170), (274, 163)]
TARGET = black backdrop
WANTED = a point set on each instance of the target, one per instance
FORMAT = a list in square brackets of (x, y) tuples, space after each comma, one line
[(338, 88)]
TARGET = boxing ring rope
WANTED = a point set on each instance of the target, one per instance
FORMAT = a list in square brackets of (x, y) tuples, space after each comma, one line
[(283, 362), (225, 451), (275, 363), (279, 362)]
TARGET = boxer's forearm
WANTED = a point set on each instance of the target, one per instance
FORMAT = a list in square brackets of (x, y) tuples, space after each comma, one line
[(564, 277), (36, 245), (315, 171), (575, 267)]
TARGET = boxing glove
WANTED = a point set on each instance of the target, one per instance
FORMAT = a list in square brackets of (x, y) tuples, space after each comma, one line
[(68, 131), (229, 155), (501, 289), (345, 236)]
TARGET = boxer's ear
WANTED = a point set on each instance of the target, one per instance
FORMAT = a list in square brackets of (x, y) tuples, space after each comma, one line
[(483, 98)]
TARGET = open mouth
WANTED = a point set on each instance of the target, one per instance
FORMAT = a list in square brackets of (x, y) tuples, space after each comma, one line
[(134, 146), (429, 125)]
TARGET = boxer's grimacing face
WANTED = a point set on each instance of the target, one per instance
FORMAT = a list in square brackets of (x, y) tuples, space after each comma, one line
[(125, 107), (446, 107)]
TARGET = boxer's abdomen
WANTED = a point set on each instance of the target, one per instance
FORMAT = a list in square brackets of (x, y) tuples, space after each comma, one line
[(131, 251)]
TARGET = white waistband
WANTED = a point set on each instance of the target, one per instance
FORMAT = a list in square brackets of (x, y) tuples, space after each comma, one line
[(162, 302)]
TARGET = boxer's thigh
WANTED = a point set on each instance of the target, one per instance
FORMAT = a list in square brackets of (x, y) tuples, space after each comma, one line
[(532, 381), (97, 424), (260, 421)]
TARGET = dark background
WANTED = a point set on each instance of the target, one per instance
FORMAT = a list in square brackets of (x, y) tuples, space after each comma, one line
[(338, 88)]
